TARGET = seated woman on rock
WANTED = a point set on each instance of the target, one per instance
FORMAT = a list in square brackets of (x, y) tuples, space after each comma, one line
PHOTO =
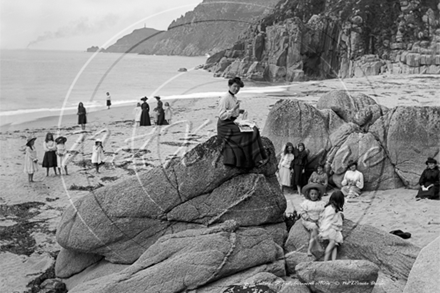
[(241, 149), (319, 176), (353, 181), (429, 181)]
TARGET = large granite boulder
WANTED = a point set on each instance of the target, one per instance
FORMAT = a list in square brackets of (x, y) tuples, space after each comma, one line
[(294, 121), (348, 276), (424, 275), (121, 221), (190, 259), (70, 262), (372, 161), (392, 254), (345, 104), (410, 135)]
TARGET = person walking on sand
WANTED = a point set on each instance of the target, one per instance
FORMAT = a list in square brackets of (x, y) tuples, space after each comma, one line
[(145, 116), (98, 155), (50, 157), (109, 101), (61, 153), (137, 112), (311, 209), (168, 113), (30, 159), (330, 225), (82, 116)]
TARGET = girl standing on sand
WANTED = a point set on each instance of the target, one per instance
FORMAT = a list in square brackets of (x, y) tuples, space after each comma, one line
[(109, 100), (30, 159), (137, 114), (168, 113), (61, 153), (50, 157), (98, 155), (284, 167), (82, 116), (330, 226), (310, 211)]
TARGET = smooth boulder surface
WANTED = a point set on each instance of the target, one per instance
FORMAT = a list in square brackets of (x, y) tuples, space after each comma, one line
[(295, 121), (190, 259), (70, 262), (410, 135), (344, 103), (121, 221), (339, 276), (424, 275), (394, 256)]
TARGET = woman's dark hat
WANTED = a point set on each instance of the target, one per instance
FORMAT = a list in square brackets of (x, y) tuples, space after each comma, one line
[(157, 97), (144, 99), (319, 187), (351, 163), (29, 138), (60, 139), (431, 161)]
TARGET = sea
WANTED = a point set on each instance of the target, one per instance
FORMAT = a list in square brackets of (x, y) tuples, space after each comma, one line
[(40, 83)]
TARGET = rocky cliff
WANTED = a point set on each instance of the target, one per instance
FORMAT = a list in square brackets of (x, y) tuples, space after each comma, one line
[(329, 38), (137, 41)]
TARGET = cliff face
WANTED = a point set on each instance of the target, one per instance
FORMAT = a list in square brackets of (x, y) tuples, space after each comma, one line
[(137, 41), (212, 26), (329, 38)]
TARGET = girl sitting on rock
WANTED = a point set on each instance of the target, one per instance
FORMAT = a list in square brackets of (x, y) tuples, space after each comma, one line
[(330, 226), (353, 181), (310, 211)]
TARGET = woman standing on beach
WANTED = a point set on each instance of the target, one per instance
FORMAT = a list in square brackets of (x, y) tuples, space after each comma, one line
[(160, 111), (284, 169), (50, 157), (82, 116), (241, 149), (30, 159), (109, 100), (145, 116), (299, 166)]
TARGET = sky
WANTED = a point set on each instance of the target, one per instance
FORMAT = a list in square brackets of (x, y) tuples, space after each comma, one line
[(80, 24)]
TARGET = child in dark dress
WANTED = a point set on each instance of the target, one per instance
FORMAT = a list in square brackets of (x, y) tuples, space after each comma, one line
[(50, 156)]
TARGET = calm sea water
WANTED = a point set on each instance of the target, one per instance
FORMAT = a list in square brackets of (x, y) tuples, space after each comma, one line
[(39, 83)]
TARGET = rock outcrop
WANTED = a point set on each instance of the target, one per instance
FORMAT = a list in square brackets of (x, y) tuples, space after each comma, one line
[(193, 258), (308, 39), (354, 127), (393, 255), (136, 41), (339, 276), (120, 222), (423, 276)]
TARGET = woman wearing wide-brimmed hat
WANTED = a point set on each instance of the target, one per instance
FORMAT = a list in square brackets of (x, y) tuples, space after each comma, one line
[(241, 149), (30, 158), (61, 153), (145, 115), (429, 181), (353, 181)]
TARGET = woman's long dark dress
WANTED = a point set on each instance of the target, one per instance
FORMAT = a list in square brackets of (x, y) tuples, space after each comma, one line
[(82, 118), (241, 149), (145, 116), (161, 113), (428, 177), (298, 165)]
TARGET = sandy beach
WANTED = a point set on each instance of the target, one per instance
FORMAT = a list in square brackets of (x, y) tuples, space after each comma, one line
[(30, 212)]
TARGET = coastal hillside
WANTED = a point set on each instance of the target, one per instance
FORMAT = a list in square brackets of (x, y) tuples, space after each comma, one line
[(136, 42), (334, 38), (211, 27)]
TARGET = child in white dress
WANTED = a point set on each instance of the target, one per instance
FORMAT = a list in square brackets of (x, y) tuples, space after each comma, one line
[(331, 224), (284, 169), (311, 209), (61, 153), (98, 155), (30, 159)]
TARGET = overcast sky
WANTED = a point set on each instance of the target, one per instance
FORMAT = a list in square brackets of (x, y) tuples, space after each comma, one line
[(79, 24)]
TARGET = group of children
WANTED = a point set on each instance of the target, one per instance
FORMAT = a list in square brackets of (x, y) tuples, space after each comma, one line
[(54, 155), (322, 220)]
